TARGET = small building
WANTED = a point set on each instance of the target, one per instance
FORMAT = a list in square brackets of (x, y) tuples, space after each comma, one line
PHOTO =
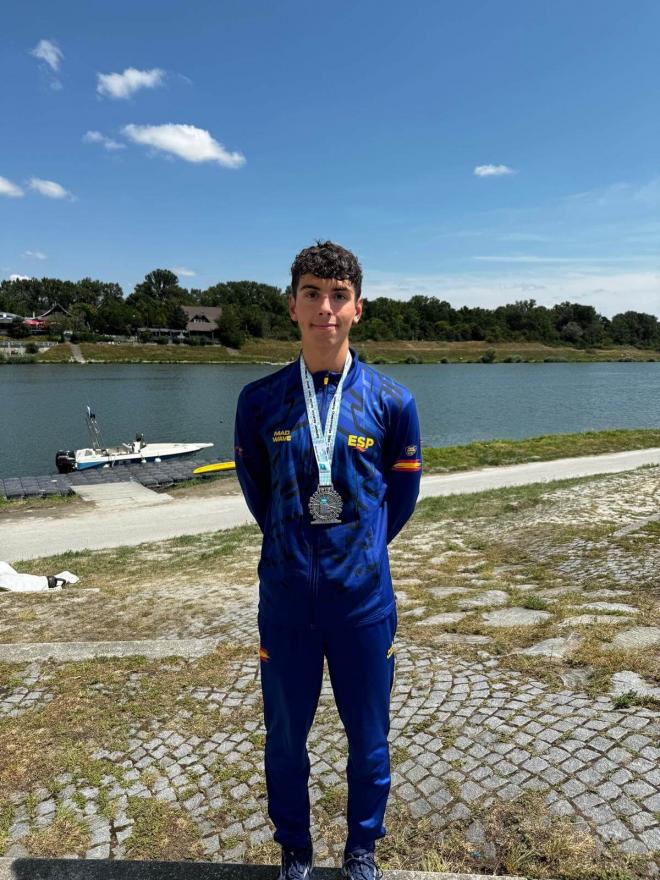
[(202, 320), (56, 314), (36, 325)]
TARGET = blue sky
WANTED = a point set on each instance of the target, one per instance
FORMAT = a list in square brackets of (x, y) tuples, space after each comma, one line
[(481, 152)]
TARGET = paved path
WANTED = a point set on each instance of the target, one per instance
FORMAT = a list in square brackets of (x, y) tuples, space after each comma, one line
[(537, 472), (76, 353), (35, 536), (465, 736)]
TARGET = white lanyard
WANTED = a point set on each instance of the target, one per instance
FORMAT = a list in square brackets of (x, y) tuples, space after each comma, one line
[(323, 441)]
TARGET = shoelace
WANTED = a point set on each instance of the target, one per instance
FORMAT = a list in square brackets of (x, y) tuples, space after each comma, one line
[(296, 864), (361, 865)]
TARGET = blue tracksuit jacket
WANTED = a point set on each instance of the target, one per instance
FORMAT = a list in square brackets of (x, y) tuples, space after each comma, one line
[(341, 572)]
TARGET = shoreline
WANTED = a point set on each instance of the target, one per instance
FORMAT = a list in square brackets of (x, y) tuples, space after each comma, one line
[(277, 353)]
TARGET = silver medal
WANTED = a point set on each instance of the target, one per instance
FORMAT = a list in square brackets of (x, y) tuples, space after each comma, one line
[(325, 506)]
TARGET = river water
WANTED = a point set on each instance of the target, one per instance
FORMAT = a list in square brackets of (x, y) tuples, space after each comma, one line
[(42, 405)]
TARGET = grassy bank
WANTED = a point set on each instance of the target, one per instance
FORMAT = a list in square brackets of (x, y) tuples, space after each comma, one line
[(274, 351), (494, 453), (65, 502)]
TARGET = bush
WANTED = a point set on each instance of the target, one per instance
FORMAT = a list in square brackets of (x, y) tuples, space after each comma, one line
[(412, 359), (488, 357), (31, 348), (161, 340), (18, 330)]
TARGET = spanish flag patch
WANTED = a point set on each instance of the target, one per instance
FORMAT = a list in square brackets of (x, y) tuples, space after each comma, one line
[(407, 464), (264, 656)]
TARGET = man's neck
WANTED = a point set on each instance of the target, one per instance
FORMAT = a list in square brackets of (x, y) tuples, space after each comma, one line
[(330, 361)]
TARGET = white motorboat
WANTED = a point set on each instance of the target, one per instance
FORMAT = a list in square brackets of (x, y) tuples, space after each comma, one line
[(99, 455)]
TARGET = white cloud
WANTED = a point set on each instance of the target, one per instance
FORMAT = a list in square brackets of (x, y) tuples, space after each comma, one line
[(7, 188), (123, 85), (619, 196), (20, 277), (492, 170), (95, 137), (183, 272), (591, 261), (185, 141), (48, 51), (49, 188), (36, 255)]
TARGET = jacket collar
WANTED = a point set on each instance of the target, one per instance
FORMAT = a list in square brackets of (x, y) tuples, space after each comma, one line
[(351, 376)]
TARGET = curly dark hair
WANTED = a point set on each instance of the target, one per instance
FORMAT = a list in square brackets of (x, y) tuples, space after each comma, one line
[(326, 259)]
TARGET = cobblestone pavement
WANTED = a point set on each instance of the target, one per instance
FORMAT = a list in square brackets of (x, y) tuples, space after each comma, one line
[(464, 735)]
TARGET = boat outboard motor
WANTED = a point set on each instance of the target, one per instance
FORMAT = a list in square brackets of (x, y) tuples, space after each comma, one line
[(65, 461)]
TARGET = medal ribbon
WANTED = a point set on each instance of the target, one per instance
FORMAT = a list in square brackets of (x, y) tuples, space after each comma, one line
[(323, 441)]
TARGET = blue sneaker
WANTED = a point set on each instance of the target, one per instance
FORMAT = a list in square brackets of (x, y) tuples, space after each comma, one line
[(297, 864), (360, 864)]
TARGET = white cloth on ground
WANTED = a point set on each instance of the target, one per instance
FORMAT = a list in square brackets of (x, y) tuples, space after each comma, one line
[(13, 582)]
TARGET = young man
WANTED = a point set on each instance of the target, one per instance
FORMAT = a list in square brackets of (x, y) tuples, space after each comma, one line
[(328, 457)]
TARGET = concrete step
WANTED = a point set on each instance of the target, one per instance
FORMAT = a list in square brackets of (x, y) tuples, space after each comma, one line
[(120, 495)]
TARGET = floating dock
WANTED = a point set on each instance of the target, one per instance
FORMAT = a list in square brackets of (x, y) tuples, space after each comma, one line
[(154, 475)]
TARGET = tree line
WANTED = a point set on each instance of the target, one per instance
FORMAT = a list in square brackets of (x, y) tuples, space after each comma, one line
[(254, 310)]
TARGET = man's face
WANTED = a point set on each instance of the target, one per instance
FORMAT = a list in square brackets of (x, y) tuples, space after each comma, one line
[(325, 310)]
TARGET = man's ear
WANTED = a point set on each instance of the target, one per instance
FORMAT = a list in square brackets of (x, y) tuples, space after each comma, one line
[(358, 311), (292, 308)]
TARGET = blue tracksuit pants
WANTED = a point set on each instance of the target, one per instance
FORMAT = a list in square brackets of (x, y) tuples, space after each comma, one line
[(361, 666)]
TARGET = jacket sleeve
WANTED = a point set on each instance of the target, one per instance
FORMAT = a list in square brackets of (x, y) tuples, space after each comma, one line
[(403, 467), (252, 462)]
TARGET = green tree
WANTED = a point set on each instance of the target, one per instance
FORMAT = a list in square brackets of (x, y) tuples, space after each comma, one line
[(18, 330), (572, 332), (159, 284), (635, 328), (230, 332)]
